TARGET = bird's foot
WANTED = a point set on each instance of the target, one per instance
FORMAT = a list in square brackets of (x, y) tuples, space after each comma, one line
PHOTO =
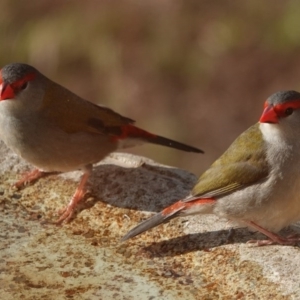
[(274, 239), (29, 178), (65, 213), (68, 212), (278, 241)]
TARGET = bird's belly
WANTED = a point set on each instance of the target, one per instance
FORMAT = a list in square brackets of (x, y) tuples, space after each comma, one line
[(273, 204), (272, 207), (51, 149), (282, 209)]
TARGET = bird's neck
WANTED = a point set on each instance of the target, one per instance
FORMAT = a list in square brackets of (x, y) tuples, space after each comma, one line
[(280, 145), (274, 134)]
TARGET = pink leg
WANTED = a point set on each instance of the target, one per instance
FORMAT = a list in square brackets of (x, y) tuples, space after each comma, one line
[(274, 238), (68, 211), (29, 178)]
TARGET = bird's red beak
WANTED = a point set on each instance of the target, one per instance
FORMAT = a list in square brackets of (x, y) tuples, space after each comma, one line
[(269, 115), (6, 92)]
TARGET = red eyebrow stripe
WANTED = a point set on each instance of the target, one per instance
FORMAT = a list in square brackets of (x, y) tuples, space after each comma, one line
[(26, 78), (30, 76), (280, 108)]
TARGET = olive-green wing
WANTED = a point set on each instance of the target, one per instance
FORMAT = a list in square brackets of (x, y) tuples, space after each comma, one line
[(244, 163), (73, 114)]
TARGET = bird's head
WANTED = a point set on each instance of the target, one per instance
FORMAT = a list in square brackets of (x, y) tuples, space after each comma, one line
[(282, 113), (21, 85), (282, 106)]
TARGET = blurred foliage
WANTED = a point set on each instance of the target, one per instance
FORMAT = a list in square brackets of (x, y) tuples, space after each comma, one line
[(196, 71)]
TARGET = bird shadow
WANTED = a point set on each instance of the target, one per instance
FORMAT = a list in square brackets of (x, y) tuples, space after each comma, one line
[(201, 241), (144, 188), (152, 188)]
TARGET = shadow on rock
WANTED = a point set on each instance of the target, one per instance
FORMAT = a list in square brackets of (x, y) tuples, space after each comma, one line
[(145, 188), (201, 241)]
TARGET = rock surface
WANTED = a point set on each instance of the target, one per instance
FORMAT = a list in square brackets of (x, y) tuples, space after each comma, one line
[(188, 258)]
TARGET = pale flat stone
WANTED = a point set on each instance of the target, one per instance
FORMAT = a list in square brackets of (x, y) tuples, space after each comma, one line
[(188, 258)]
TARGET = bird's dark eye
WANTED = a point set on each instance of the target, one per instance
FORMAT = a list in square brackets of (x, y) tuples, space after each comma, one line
[(24, 86), (289, 111)]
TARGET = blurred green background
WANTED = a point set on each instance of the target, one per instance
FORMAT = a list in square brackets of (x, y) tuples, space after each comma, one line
[(196, 71)]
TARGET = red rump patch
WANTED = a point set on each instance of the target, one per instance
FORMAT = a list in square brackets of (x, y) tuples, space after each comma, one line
[(129, 131), (180, 205)]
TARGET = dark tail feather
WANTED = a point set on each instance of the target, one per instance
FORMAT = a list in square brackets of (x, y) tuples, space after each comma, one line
[(130, 131), (159, 140), (170, 212), (147, 224), (165, 215)]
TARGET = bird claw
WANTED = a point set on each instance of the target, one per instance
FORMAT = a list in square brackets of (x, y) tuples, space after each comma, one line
[(289, 241), (66, 213), (274, 239), (260, 243), (294, 236), (29, 178)]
